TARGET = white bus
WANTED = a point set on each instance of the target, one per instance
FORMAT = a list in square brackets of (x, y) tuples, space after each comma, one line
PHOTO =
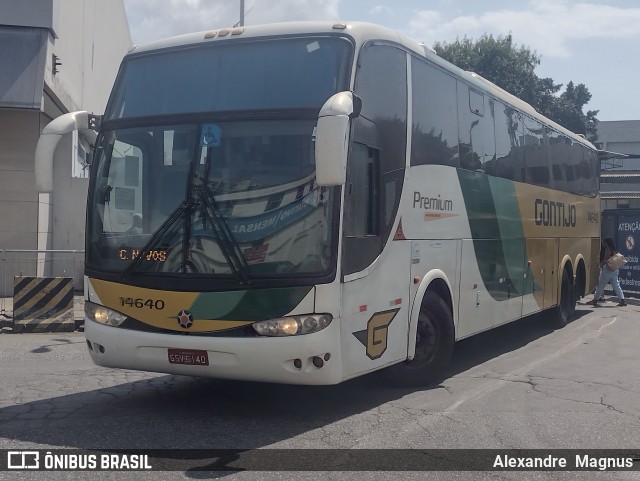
[(310, 202)]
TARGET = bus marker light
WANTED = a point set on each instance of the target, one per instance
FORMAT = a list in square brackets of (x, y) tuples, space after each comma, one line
[(363, 308), (210, 34), (416, 280), (318, 362), (297, 363), (224, 32)]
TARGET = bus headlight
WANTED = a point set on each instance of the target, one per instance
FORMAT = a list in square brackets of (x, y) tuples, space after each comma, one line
[(103, 315), (293, 325)]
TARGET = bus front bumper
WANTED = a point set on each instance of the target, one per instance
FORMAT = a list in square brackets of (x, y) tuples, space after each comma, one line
[(264, 359)]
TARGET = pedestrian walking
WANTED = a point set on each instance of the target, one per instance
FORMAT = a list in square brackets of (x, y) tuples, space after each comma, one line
[(608, 276)]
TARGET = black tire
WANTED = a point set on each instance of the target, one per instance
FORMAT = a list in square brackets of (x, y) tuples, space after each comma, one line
[(434, 346), (567, 306), (580, 282)]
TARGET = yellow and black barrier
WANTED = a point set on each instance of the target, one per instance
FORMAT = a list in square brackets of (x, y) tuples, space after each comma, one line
[(43, 304)]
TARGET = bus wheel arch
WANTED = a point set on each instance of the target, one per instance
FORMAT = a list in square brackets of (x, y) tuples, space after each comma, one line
[(432, 337)]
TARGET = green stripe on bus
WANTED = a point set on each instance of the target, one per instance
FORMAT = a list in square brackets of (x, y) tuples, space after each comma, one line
[(497, 234), (248, 305)]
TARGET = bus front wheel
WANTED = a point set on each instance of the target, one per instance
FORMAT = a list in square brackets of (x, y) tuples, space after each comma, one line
[(435, 339)]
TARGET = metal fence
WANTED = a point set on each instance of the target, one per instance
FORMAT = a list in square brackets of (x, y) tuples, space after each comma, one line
[(37, 263)]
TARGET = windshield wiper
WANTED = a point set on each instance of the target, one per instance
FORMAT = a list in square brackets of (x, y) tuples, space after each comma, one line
[(159, 234), (228, 244)]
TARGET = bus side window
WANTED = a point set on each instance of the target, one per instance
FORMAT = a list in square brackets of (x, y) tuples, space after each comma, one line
[(476, 130), (558, 154), (573, 167), (509, 161), (592, 185), (536, 153), (435, 116), (375, 170)]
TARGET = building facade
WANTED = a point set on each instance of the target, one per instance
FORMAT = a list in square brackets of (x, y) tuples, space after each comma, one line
[(57, 56), (620, 178)]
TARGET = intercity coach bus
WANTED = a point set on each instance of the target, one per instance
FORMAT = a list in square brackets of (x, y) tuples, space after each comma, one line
[(308, 202)]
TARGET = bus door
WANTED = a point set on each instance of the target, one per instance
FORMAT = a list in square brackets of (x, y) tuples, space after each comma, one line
[(375, 267), (375, 305)]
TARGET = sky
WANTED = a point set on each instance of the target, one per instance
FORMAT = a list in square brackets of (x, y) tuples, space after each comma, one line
[(594, 42)]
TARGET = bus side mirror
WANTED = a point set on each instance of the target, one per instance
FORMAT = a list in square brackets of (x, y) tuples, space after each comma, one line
[(49, 139), (332, 137)]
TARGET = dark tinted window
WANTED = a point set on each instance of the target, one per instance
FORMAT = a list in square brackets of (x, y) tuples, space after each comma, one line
[(536, 153), (435, 122), (378, 154), (509, 161), (476, 124), (592, 172), (558, 153), (381, 83), (574, 168), (291, 73)]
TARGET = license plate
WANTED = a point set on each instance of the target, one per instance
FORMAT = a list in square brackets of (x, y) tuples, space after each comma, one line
[(191, 357)]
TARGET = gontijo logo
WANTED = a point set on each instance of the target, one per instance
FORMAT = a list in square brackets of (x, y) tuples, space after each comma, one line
[(554, 214)]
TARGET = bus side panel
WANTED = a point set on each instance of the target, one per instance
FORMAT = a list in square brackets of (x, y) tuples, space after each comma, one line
[(375, 312), (431, 260), (477, 309), (558, 224)]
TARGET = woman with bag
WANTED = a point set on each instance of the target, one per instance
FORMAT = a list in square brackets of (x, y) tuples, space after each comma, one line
[(610, 262)]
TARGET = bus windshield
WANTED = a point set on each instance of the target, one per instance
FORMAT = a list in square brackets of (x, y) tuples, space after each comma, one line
[(205, 164), (234, 198)]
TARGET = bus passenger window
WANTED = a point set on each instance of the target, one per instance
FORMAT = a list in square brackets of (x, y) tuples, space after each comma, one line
[(509, 161), (476, 130), (435, 117), (536, 153)]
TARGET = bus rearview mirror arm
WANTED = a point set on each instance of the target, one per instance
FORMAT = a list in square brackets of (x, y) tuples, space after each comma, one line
[(332, 137), (49, 139)]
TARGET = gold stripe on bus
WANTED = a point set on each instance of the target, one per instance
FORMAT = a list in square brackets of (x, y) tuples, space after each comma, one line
[(552, 213), (556, 224), (162, 314)]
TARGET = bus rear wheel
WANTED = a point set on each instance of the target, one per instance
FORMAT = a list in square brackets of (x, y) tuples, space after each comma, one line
[(435, 339), (567, 306)]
